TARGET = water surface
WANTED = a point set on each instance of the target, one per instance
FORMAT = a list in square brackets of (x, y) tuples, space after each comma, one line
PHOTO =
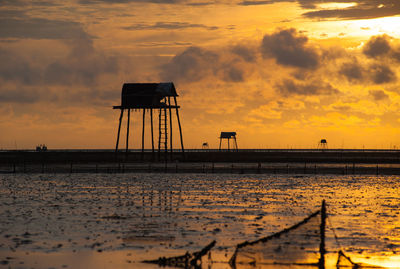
[(117, 220)]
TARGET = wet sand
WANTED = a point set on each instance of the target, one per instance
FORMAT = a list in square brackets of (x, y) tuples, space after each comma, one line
[(117, 220)]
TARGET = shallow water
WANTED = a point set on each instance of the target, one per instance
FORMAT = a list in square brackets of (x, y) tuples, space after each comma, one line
[(117, 220)]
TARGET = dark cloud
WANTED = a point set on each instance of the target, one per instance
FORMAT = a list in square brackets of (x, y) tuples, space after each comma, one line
[(192, 64), (17, 69), (378, 95), (377, 46), (255, 3), (24, 95), (381, 73), (246, 53), (195, 63), (290, 48), (130, 1), (353, 71), (377, 73), (12, 13), (82, 66), (39, 28), (233, 73), (24, 3), (396, 54), (292, 87), (364, 9), (168, 26)]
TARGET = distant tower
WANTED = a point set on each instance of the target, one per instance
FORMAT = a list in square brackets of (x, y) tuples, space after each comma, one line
[(323, 144), (205, 146), (151, 96), (228, 136)]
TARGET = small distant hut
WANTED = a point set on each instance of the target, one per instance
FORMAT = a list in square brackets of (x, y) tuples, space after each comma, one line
[(323, 144), (205, 146), (151, 96), (228, 136)]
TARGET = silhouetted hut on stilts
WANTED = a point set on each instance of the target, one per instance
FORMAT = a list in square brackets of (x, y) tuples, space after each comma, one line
[(228, 136), (151, 96)]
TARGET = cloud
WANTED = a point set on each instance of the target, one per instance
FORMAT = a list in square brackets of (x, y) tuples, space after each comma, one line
[(23, 95), (255, 3), (26, 80), (364, 9), (246, 53), (233, 73), (378, 95), (290, 48), (232, 64), (15, 68), (130, 1), (39, 28), (353, 71), (376, 73), (82, 66), (291, 87), (168, 26), (381, 73), (192, 64), (377, 46)]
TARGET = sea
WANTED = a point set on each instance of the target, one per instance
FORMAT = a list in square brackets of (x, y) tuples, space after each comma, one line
[(96, 220)]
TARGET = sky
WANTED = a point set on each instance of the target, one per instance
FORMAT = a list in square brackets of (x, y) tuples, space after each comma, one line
[(282, 74)]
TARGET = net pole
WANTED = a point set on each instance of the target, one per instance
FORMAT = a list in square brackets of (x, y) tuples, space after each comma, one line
[(322, 249)]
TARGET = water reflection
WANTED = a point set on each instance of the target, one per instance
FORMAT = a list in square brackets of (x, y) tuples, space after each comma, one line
[(149, 215)]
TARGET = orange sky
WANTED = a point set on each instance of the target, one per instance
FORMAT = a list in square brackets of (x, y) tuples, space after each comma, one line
[(279, 73)]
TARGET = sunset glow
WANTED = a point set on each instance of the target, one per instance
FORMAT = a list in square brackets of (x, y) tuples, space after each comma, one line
[(278, 73)]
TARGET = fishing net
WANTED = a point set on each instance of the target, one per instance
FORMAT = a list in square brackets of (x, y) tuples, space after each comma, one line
[(301, 244), (344, 261), (187, 261)]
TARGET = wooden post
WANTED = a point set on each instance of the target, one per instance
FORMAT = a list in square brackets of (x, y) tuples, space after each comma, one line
[(119, 129), (236, 143), (179, 124), (220, 141), (322, 250), (152, 135), (127, 129), (143, 127), (166, 134), (159, 134), (170, 126)]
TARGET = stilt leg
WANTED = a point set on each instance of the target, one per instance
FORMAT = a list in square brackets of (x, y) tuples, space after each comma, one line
[(127, 130), (170, 127), (143, 127), (180, 129), (159, 135), (152, 135), (119, 129), (236, 144), (220, 141), (166, 134)]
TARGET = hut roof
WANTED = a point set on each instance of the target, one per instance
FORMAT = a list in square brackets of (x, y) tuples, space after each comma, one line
[(146, 95), (228, 134), (149, 89)]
